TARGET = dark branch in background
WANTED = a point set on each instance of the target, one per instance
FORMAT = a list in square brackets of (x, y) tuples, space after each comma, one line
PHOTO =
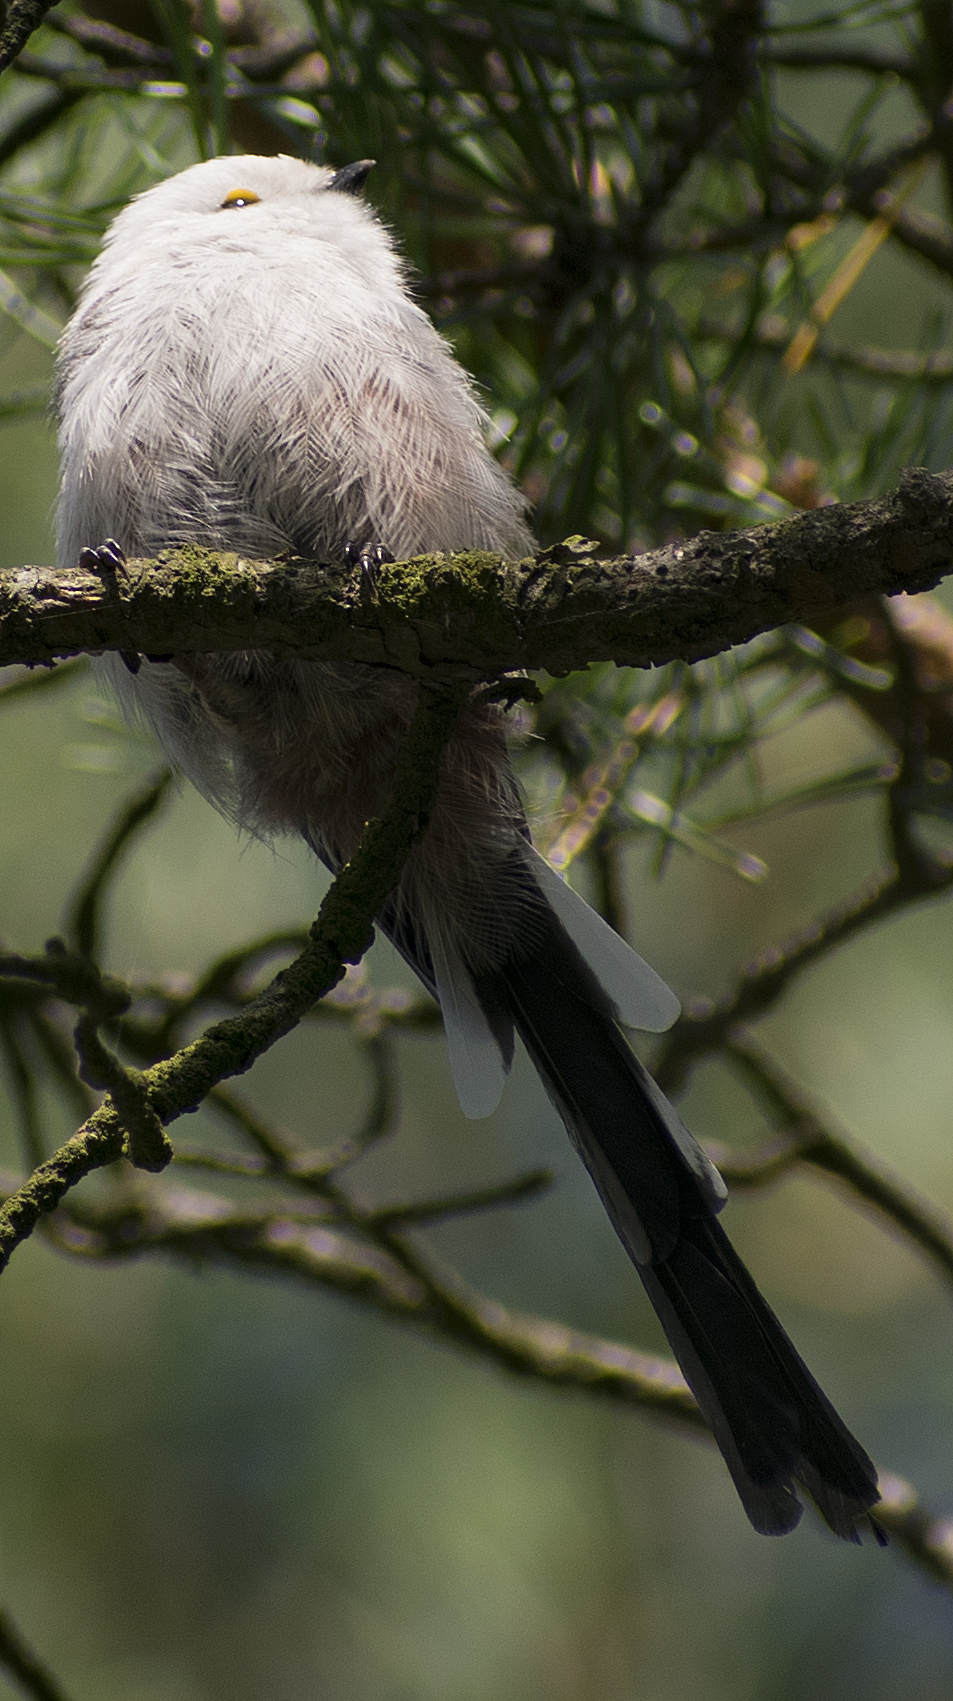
[(807, 1135), (83, 924), (113, 44), (21, 18), (916, 714), (705, 1024), (865, 189), (876, 61), (471, 612), (923, 234), (773, 332), (935, 79), (23, 1666), (726, 75)]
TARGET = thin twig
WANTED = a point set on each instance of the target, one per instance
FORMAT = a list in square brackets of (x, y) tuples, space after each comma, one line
[(927, 1540), (24, 1665), (83, 919), (342, 933), (704, 1025), (874, 61), (24, 1091), (516, 1191), (807, 1135), (774, 332)]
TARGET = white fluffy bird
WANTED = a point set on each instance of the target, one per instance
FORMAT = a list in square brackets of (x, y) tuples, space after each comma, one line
[(246, 371)]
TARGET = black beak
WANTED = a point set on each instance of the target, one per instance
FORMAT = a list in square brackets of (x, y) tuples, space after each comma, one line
[(352, 178)]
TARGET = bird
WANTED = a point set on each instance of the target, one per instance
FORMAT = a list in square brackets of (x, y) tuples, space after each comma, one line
[(247, 370)]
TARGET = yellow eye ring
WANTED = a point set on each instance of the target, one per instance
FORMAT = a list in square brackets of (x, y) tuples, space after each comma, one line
[(240, 198)]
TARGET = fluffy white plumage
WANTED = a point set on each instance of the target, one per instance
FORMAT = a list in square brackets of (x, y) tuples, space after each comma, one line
[(255, 377)]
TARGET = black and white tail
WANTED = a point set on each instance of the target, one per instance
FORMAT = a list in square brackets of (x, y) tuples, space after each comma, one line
[(565, 996)]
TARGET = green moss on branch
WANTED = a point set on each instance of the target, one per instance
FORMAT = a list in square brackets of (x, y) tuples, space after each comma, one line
[(475, 616)]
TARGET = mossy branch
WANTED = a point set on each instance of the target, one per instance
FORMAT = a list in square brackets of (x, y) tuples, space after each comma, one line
[(440, 616), (341, 933), (21, 18)]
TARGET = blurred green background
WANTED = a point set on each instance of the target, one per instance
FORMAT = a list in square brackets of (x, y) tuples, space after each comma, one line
[(215, 1488)]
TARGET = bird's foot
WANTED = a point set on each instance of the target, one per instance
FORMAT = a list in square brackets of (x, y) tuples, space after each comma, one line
[(367, 558), (109, 560)]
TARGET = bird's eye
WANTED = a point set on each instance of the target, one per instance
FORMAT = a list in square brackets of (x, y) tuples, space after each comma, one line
[(240, 198)]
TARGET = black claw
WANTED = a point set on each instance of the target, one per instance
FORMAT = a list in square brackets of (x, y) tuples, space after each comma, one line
[(367, 557), (107, 559)]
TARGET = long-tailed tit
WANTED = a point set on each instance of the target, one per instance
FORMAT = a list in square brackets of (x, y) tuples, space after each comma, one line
[(247, 371)]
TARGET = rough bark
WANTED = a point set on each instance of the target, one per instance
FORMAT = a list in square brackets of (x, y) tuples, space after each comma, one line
[(474, 613)]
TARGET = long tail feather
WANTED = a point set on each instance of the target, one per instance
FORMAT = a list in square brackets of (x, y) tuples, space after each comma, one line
[(773, 1423), (775, 1427)]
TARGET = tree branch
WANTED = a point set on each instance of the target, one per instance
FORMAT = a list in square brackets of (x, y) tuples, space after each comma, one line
[(393, 1276), (808, 1136), (447, 616), (774, 331), (873, 61), (22, 1664), (704, 1025), (22, 18), (341, 934)]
